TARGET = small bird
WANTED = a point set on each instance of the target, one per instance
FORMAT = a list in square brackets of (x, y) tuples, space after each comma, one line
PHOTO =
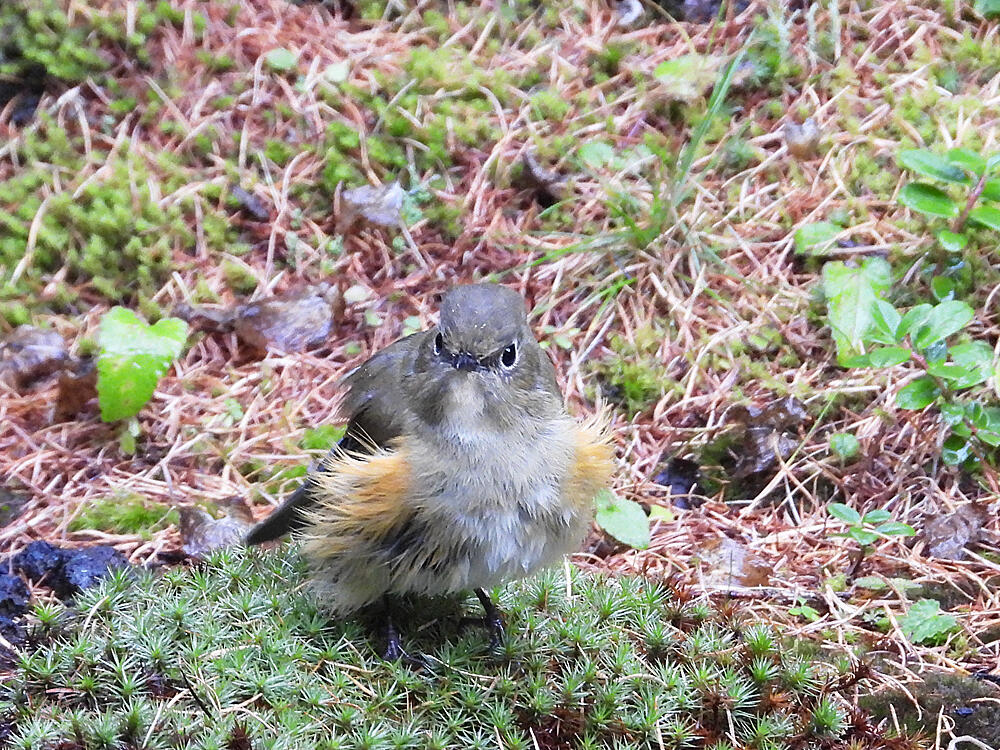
[(459, 469)]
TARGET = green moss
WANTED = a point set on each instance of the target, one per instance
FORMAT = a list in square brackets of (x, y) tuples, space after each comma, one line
[(636, 376), (279, 152), (39, 35), (629, 663), (124, 514), (239, 276), (99, 217), (549, 105)]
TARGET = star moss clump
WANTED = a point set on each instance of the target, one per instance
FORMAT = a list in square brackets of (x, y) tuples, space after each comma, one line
[(235, 650)]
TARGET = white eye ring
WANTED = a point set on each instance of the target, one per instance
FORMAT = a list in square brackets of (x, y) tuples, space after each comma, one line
[(508, 357)]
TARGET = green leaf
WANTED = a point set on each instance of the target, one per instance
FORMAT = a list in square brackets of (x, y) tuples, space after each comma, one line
[(879, 515), (280, 60), (844, 513), (987, 216), (988, 428), (917, 395), (873, 583), (967, 159), (926, 624), (817, 238), (624, 519), (851, 292), (927, 199), (858, 360), (991, 190), (988, 9), (953, 242), (943, 288), (928, 164), (862, 536), (956, 450), (323, 437), (811, 614), (895, 528), (661, 513), (844, 445), (596, 154), (945, 318), (952, 414), (886, 319), (132, 356), (888, 356), (689, 76), (913, 319), (948, 371), (976, 358)]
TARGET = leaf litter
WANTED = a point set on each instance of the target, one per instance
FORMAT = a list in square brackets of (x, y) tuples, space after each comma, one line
[(746, 213)]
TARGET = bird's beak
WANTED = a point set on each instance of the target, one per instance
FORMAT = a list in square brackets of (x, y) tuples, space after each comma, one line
[(465, 362)]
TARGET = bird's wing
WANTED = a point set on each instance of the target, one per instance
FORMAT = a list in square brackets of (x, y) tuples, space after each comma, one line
[(376, 413)]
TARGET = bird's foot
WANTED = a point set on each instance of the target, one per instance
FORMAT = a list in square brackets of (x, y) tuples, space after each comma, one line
[(394, 650), (393, 647), (492, 620)]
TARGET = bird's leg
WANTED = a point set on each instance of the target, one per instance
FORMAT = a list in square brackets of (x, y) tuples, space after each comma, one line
[(492, 619), (393, 648), (393, 644)]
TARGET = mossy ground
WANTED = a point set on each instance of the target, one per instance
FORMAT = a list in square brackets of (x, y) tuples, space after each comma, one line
[(193, 657), (120, 189)]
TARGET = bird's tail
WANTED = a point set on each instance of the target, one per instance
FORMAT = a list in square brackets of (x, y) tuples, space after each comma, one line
[(287, 518)]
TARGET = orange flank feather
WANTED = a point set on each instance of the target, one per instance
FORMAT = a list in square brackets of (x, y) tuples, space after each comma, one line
[(593, 464), (358, 498)]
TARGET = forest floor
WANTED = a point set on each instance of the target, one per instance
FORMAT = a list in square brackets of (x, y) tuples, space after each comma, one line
[(653, 230)]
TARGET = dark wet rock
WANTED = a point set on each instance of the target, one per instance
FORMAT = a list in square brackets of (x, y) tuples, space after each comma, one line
[(700, 11), (85, 567), (769, 434), (681, 477), (291, 322), (29, 353), (971, 705), (14, 596), (803, 140), (39, 562), (25, 91), (208, 319), (65, 571)]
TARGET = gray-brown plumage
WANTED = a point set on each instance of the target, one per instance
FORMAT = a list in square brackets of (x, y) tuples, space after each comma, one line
[(459, 469)]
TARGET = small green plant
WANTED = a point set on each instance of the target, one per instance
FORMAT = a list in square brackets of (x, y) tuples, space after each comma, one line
[(132, 357), (871, 332), (974, 181), (926, 624), (844, 446), (867, 529)]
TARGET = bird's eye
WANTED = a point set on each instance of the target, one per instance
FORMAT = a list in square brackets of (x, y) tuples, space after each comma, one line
[(509, 356), (438, 343)]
